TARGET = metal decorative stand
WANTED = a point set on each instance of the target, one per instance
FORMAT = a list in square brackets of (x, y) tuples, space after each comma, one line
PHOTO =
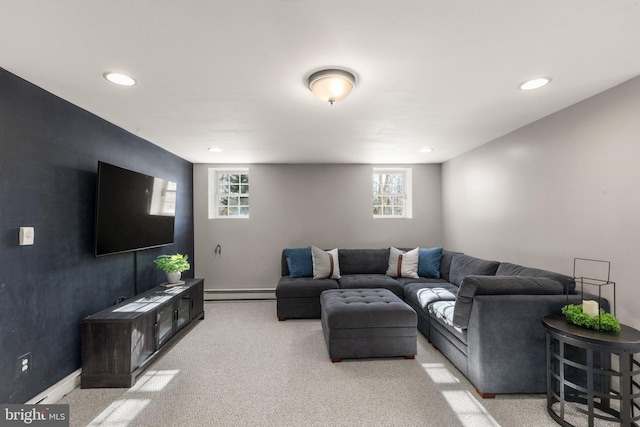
[(580, 264)]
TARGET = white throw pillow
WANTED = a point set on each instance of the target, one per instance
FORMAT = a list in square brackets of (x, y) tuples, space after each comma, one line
[(403, 264), (325, 263)]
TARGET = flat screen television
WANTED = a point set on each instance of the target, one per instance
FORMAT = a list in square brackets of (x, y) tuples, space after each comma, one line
[(134, 211)]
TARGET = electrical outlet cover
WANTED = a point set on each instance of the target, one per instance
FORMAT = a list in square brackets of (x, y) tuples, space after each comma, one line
[(26, 236), (24, 365)]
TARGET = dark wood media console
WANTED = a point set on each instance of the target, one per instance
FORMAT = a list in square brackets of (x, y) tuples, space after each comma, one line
[(119, 343)]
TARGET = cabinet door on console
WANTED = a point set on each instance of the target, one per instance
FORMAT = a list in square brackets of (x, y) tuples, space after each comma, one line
[(183, 311), (143, 340), (164, 321)]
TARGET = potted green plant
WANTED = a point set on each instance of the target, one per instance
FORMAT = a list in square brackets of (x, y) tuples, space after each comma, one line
[(173, 265)]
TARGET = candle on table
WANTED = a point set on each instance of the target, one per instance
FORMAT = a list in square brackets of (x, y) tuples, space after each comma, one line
[(590, 307)]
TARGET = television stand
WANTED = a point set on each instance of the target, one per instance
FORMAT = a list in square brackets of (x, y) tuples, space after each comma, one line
[(121, 342)]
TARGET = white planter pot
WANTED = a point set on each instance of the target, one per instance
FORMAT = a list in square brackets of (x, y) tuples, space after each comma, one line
[(174, 277)]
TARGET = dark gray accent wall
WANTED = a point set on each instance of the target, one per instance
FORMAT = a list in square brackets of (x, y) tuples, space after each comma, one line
[(49, 153)]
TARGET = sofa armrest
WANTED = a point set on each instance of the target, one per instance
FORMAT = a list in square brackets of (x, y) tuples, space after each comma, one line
[(499, 285), (506, 341)]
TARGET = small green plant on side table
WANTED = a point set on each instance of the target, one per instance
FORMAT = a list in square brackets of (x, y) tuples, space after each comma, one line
[(606, 322), (173, 265)]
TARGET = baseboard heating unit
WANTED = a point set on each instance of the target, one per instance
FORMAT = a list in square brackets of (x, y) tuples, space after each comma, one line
[(239, 294)]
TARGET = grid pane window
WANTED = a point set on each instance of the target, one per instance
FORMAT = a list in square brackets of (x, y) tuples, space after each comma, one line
[(231, 194), (392, 193)]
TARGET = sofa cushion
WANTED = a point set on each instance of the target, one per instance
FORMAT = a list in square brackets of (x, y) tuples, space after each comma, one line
[(325, 263), (499, 285), (411, 290), (442, 311), (429, 262), (303, 287), (371, 281), (403, 264), (299, 262), (428, 296), (466, 265), (404, 281), (284, 266), (508, 269), (445, 263), (363, 261)]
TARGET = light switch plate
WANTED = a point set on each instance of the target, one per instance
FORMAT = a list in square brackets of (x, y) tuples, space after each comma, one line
[(26, 236)]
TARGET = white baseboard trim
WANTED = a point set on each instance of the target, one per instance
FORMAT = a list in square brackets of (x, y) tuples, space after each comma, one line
[(57, 391), (239, 294)]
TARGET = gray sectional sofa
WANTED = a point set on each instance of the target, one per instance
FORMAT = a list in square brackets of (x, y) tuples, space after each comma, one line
[(484, 316)]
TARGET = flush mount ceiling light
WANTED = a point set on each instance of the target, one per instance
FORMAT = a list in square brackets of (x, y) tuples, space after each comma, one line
[(426, 150), (331, 85), (119, 79), (535, 83), (216, 150)]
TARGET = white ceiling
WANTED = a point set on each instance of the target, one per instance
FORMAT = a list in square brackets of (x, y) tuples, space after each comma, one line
[(232, 74)]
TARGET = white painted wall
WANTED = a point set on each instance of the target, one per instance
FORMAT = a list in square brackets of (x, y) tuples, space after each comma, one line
[(565, 186), (301, 205)]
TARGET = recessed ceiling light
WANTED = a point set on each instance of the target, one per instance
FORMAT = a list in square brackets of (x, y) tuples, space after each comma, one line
[(426, 150), (119, 79), (216, 150), (535, 83)]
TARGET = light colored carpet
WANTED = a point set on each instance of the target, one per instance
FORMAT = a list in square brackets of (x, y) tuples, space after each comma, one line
[(242, 367)]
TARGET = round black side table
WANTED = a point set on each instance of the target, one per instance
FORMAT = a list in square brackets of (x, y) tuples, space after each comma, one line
[(591, 374)]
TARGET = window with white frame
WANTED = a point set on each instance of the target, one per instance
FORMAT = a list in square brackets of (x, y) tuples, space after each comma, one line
[(228, 193), (392, 193)]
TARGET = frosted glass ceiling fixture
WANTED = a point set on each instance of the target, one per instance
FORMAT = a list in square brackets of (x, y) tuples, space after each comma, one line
[(331, 85), (119, 79), (535, 83)]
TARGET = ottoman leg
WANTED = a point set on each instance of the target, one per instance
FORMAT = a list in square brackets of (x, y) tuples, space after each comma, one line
[(335, 360)]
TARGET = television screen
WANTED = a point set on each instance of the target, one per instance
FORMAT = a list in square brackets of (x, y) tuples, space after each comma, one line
[(133, 211)]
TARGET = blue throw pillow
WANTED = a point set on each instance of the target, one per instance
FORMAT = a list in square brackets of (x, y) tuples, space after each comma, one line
[(429, 262), (299, 262)]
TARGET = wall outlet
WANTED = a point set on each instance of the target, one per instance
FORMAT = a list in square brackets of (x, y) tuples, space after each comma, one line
[(26, 235), (24, 364)]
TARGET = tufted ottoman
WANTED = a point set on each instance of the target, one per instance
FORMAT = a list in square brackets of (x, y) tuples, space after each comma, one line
[(363, 323)]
